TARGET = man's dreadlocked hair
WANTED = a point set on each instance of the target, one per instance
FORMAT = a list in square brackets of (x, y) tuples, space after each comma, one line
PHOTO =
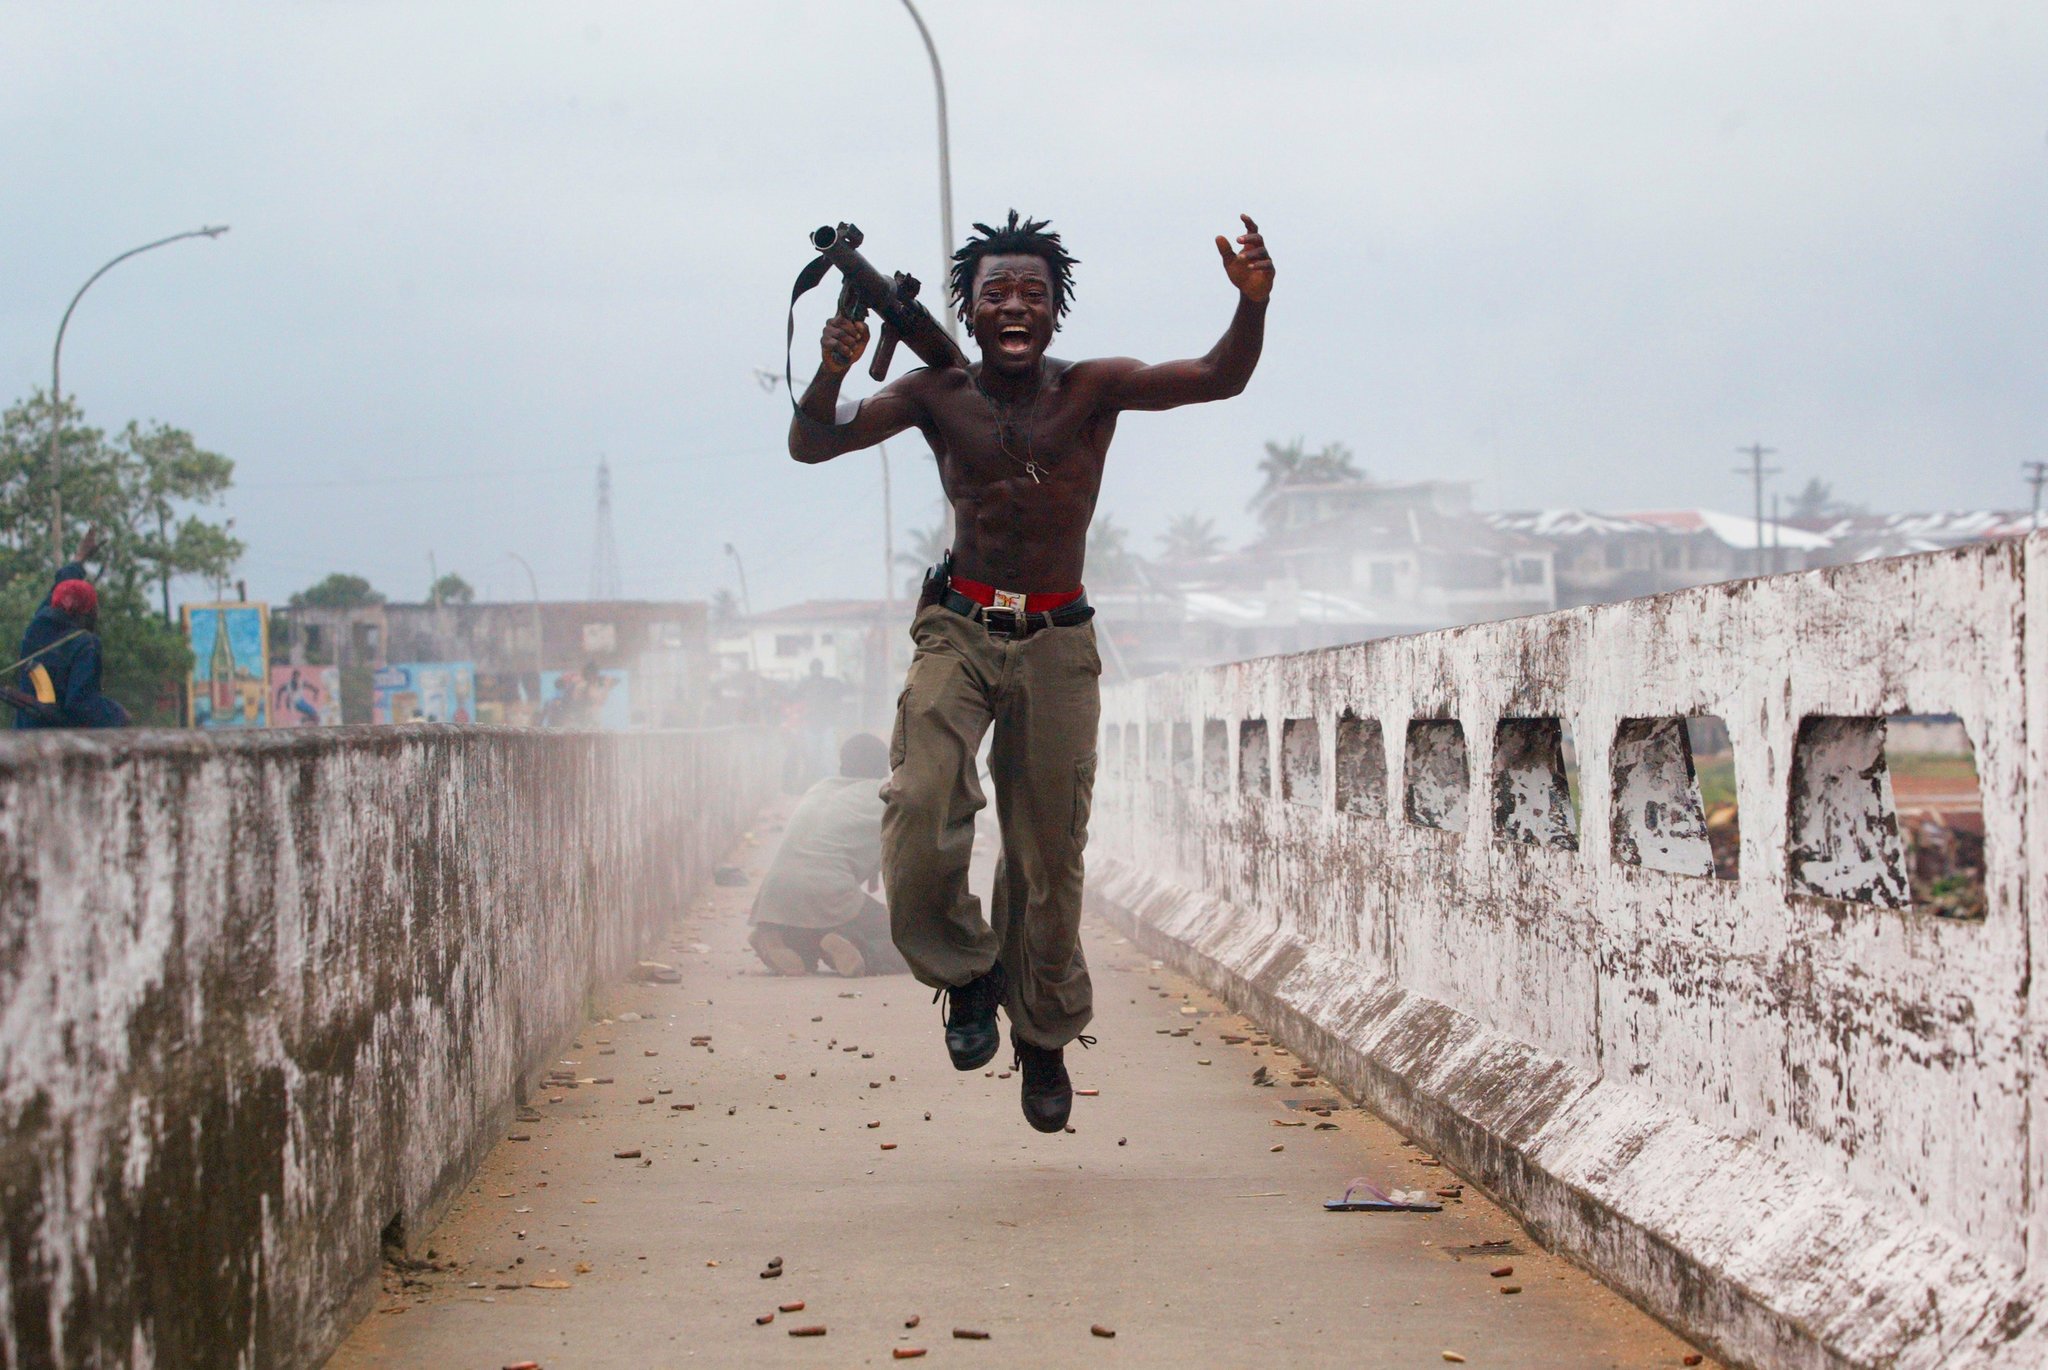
[(1024, 237)]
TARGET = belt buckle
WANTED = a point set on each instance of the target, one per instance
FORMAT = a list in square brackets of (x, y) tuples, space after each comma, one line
[(1009, 602)]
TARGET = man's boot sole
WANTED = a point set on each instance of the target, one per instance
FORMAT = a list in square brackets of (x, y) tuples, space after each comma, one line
[(980, 1059), (843, 956), (1059, 1126)]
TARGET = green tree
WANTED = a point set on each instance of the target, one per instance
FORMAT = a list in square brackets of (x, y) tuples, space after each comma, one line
[(451, 589), (139, 489), (1190, 538), (338, 591), (164, 470), (136, 488)]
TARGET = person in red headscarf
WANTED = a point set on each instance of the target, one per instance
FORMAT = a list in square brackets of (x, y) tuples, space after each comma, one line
[(60, 655)]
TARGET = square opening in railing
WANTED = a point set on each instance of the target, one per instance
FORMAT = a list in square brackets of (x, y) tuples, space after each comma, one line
[(1673, 807), (1887, 812), (1216, 756), (1301, 762), (1155, 753), (1437, 774), (1184, 755), (1133, 766), (1939, 800), (1254, 758), (1533, 799), (1361, 766)]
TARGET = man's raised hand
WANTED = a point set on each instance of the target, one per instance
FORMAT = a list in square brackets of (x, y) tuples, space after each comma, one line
[(842, 344), (1250, 270), (88, 545)]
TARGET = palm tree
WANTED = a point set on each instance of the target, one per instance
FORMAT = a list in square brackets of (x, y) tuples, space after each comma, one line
[(1330, 466), (1110, 560), (927, 546), (1190, 537), (1282, 466)]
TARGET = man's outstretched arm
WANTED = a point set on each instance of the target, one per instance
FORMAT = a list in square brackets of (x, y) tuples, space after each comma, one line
[(1229, 364), (815, 433)]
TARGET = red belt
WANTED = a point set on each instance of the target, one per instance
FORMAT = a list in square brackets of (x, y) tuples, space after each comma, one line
[(985, 596)]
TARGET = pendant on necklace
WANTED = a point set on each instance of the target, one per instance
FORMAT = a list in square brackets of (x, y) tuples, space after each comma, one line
[(1031, 469)]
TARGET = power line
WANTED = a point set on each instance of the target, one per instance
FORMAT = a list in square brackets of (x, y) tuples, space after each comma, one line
[(492, 474), (1756, 471)]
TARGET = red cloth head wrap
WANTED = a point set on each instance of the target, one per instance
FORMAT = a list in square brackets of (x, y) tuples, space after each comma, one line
[(75, 597)]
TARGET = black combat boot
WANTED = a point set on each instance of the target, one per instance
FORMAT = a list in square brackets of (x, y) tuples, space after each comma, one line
[(971, 1032), (1048, 1093)]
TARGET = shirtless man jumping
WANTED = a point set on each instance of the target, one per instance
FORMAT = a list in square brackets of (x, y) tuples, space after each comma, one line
[(1020, 440)]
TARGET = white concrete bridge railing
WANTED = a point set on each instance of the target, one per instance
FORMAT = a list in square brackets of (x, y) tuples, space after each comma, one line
[(1796, 1112), (265, 1001)]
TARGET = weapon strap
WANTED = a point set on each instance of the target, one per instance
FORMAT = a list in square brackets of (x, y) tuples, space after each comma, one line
[(46, 647), (28, 704), (813, 272)]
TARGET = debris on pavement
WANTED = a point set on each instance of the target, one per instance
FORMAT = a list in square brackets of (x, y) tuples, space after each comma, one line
[(1099, 1330), (1396, 1201)]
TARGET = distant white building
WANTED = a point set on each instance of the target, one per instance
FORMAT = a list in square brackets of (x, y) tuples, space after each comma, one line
[(842, 639), (1604, 557)]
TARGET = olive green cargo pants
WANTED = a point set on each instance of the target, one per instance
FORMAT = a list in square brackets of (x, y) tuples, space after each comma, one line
[(1041, 695)]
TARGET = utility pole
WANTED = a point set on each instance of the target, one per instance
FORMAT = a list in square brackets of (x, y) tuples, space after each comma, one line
[(604, 562), (2037, 476), (1756, 471)]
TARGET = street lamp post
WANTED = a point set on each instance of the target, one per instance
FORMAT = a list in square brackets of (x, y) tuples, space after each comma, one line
[(56, 366), (534, 586), (945, 166), (746, 606)]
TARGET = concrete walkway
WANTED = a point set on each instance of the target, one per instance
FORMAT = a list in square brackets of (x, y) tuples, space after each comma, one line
[(822, 1126)]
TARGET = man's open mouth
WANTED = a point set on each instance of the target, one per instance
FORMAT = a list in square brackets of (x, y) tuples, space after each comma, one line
[(1014, 337)]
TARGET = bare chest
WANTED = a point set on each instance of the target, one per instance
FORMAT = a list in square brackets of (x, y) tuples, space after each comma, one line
[(1052, 439)]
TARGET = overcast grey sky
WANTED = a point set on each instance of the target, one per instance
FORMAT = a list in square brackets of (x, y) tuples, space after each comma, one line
[(1575, 252)]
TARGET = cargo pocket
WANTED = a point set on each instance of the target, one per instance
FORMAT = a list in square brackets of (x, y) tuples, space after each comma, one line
[(1084, 791), (896, 744)]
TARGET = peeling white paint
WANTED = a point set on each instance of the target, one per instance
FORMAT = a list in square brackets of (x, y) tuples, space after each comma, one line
[(1799, 1126), (293, 981)]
